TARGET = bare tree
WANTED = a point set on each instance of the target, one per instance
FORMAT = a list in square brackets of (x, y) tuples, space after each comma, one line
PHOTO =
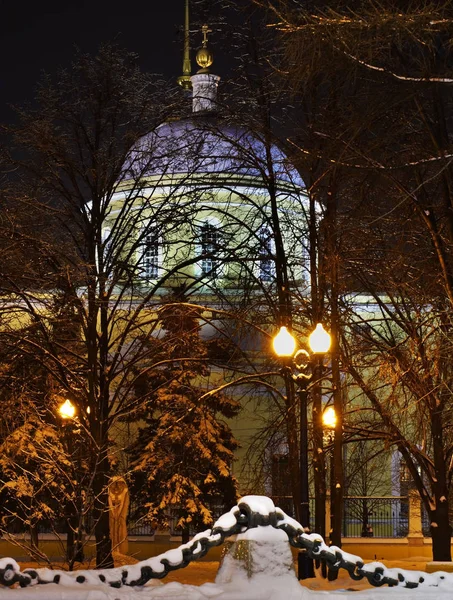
[(399, 149), (71, 159)]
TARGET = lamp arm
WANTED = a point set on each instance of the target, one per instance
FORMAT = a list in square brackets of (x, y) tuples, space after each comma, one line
[(296, 377), (302, 377)]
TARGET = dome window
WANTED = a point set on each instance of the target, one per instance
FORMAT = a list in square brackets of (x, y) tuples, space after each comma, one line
[(210, 242), (150, 254)]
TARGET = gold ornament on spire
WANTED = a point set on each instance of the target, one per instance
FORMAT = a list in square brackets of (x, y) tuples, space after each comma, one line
[(184, 80), (205, 57)]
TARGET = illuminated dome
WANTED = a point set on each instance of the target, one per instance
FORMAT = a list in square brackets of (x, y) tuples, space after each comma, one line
[(204, 145)]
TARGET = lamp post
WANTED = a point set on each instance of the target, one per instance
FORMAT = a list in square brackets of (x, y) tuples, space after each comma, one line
[(301, 367), (74, 546)]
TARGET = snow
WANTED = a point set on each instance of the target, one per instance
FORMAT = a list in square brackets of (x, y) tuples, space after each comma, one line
[(260, 588), (259, 504), (9, 562), (227, 521), (398, 76), (264, 534)]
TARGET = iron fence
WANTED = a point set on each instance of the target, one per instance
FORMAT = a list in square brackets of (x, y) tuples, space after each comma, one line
[(378, 517), (383, 517), (140, 528), (137, 525)]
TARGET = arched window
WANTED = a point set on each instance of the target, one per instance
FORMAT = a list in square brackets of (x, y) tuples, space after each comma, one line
[(149, 253), (210, 246), (265, 257)]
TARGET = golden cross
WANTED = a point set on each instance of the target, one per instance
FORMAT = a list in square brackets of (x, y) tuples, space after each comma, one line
[(205, 30)]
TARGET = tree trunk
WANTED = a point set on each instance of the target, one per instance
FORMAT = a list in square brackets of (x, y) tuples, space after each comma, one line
[(440, 525), (185, 535), (104, 558), (332, 276), (74, 545), (70, 545), (101, 479), (98, 400), (364, 518), (441, 534), (34, 539)]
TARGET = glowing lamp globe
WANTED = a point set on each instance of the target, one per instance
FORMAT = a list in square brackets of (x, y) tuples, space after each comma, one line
[(329, 418), (67, 410), (284, 343), (319, 340)]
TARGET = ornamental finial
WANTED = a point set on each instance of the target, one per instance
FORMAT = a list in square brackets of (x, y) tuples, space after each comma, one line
[(205, 58)]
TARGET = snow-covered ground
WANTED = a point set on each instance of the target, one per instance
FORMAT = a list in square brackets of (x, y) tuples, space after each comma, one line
[(261, 588)]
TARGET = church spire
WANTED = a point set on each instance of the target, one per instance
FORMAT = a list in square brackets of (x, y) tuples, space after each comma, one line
[(184, 79)]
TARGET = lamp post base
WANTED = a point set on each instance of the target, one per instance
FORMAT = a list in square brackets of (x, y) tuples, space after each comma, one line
[(305, 568)]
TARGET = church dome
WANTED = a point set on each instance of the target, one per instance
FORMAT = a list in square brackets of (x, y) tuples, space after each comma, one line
[(206, 146)]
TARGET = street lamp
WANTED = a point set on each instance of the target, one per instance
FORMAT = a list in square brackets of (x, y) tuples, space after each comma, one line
[(284, 343), (67, 410), (329, 418), (301, 362), (319, 340), (74, 545)]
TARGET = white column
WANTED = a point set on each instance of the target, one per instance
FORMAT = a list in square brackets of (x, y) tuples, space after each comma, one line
[(204, 92)]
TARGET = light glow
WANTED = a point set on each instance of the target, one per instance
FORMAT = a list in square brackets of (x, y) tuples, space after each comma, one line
[(67, 410), (319, 341), (284, 343), (329, 418)]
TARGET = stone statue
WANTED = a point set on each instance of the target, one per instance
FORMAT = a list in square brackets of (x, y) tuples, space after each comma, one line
[(118, 509)]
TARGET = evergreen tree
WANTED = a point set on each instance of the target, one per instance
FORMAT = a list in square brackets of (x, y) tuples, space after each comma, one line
[(44, 474), (182, 456)]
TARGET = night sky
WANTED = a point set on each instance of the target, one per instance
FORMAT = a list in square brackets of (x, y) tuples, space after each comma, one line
[(40, 36)]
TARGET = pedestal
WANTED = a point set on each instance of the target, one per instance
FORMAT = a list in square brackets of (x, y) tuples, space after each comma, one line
[(258, 551)]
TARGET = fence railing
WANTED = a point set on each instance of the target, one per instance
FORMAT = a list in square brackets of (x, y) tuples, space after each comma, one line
[(383, 516), (363, 516), (138, 526)]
